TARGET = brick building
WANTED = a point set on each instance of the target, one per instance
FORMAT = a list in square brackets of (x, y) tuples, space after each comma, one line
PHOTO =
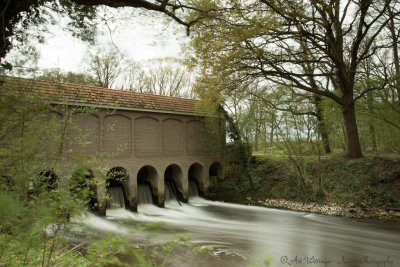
[(145, 136)]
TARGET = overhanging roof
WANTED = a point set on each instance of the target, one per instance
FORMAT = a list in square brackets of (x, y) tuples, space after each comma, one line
[(100, 97)]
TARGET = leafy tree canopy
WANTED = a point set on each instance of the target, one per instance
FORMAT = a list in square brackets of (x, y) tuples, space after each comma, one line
[(308, 47), (20, 19), (17, 17), (68, 77)]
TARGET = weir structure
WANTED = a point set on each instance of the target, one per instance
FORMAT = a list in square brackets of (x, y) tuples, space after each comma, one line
[(137, 138)]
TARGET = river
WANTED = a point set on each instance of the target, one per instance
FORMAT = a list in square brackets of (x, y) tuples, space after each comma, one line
[(256, 236)]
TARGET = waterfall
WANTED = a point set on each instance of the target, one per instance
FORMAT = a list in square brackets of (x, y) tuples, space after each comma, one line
[(168, 192), (144, 194), (193, 190), (115, 197), (171, 191)]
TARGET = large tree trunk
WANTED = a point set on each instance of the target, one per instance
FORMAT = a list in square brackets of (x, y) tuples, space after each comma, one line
[(321, 124), (352, 138)]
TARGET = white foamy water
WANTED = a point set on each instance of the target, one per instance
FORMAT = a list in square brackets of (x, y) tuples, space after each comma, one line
[(253, 233), (101, 224)]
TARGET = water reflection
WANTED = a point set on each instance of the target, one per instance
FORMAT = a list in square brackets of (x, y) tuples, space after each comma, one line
[(243, 234)]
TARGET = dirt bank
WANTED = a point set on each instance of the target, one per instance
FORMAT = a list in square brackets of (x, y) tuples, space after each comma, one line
[(350, 210)]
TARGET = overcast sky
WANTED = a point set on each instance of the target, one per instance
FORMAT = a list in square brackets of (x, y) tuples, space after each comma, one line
[(139, 36)]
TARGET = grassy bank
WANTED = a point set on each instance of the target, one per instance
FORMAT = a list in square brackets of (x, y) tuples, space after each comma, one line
[(373, 181)]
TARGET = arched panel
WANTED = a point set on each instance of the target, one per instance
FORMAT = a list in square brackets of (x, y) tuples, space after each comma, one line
[(52, 134), (195, 138), (172, 137), (83, 134), (173, 180), (117, 135), (147, 185), (196, 179), (215, 169), (116, 186), (147, 137)]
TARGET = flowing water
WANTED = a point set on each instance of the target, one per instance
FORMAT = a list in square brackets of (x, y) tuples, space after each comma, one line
[(171, 191), (193, 191), (115, 197), (169, 195), (144, 194), (241, 235)]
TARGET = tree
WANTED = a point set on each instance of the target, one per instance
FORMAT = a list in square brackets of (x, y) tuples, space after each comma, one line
[(106, 66), (296, 43), (67, 77), (36, 208), (393, 26), (24, 20), (18, 16), (165, 76)]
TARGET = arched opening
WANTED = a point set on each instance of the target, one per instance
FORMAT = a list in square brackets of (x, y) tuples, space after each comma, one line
[(147, 185), (44, 181), (47, 180), (214, 173), (215, 169), (117, 177), (173, 178), (196, 180), (83, 187)]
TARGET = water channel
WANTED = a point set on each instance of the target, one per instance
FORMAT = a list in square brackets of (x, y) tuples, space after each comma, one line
[(241, 235)]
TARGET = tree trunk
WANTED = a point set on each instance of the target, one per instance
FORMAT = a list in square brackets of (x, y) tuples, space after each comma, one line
[(372, 135), (371, 126), (350, 123), (392, 28), (256, 138), (321, 125)]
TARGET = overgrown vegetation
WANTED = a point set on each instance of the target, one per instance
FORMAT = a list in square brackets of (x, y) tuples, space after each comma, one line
[(39, 211), (36, 207), (310, 80), (270, 59), (373, 181)]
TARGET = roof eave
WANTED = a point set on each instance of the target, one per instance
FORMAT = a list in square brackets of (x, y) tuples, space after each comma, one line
[(129, 108)]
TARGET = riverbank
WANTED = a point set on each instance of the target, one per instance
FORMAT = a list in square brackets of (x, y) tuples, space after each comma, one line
[(364, 189), (349, 211), (333, 209)]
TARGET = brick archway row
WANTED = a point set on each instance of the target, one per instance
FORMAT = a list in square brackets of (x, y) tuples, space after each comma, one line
[(128, 180)]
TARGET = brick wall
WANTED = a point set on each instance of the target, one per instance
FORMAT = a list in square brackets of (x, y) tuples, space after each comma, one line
[(133, 140)]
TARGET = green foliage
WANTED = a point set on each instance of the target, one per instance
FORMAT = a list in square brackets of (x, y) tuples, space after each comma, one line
[(106, 251), (82, 186), (24, 21), (378, 124), (30, 231), (267, 262), (370, 181), (278, 178), (270, 53), (22, 135), (203, 249), (67, 77), (237, 158), (36, 207), (117, 174), (36, 204)]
